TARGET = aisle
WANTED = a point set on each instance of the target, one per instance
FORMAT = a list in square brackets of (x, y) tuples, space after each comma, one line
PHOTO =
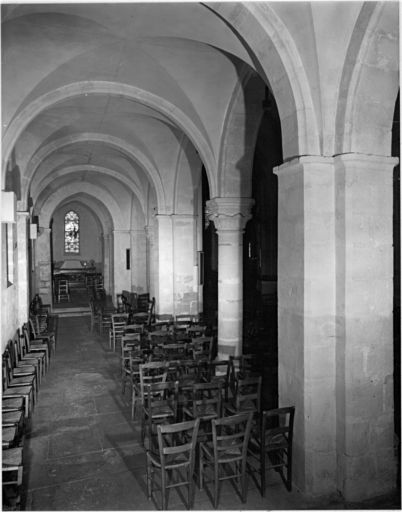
[(83, 450)]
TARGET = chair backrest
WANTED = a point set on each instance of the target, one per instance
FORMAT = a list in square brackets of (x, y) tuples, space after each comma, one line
[(248, 394), (207, 399), (34, 327), (134, 328), (174, 351), (152, 373), (230, 437), (277, 426), (151, 311), (142, 302), (202, 347), (7, 365), (162, 393), (196, 330), (177, 444), (119, 321)]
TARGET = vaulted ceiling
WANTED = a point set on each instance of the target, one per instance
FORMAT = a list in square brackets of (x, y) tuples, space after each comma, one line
[(111, 94)]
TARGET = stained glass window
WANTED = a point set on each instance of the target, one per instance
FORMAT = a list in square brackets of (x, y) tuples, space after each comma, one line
[(71, 232)]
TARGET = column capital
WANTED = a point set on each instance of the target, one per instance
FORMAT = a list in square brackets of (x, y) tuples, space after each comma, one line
[(22, 214), (229, 213), (372, 162)]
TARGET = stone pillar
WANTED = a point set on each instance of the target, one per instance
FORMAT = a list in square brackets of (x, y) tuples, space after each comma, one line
[(23, 266), (151, 260), (185, 286), (43, 266), (364, 354), (164, 283), (107, 263), (306, 316), (138, 261), (230, 216), (122, 277)]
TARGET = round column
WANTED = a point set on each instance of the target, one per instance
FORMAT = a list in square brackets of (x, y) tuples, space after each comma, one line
[(230, 216)]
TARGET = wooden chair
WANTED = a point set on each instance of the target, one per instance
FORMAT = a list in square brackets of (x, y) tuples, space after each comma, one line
[(12, 470), (183, 322), (206, 404), (33, 351), (227, 453), (219, 370), (105, 318), (119, 321), (131, 373), (196, 330), (19, 369), (36, 345), (247, 396), (271, 446), (63, 292), (174, 351), (150, 373), (10, 404), (23, 359), (15, 381), (146, 310), (95, 314), (14, 421), (201, 348), (25, 392), (174, 460), (160, 406), (41, 338), (134, 328)]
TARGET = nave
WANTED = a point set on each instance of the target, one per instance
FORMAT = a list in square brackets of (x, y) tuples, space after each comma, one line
[(83, 452)]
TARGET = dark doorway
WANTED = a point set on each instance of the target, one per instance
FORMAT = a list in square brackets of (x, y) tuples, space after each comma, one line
[(210, 260), (260, 265)]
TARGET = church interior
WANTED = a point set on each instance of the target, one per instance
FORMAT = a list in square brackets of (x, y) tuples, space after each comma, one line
[(227, 171)]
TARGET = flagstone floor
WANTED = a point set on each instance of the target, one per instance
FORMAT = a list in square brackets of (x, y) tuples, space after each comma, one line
[(83, 451)]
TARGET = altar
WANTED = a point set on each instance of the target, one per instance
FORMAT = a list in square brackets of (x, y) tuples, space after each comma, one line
[(76, 272)]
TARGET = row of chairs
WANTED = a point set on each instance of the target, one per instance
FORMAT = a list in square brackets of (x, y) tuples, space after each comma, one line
[(25, 361), (232, 437)]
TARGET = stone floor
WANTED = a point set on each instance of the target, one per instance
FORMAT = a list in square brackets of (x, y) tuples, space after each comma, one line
[(82, 451)]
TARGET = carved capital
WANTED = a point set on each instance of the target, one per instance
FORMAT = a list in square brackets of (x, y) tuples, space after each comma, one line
[(229, 213)]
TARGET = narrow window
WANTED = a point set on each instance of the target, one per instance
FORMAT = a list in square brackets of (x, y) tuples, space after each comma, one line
[(71, 232)]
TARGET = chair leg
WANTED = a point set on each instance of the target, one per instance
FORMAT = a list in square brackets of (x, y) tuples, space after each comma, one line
[(216, 485), (200, 469), (243, 483), (149, 478), (289, 472), (262, 471), (163, 478), (133, 403)]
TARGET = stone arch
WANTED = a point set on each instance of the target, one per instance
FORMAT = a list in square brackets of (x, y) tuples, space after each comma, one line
[(277, 59), (184, 185), (27, 114), (53, 200), (98, 169), (133, 152), (239, 139), (370, 82)]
